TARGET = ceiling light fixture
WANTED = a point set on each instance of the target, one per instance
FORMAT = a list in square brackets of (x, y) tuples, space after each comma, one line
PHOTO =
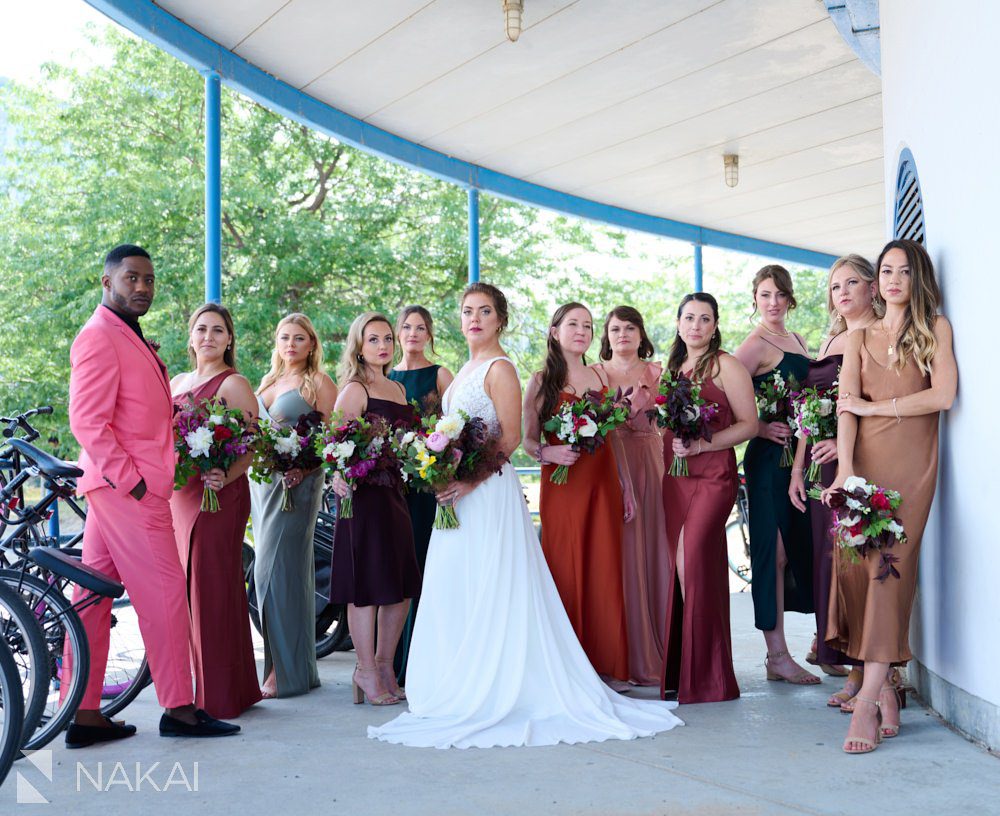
[(731, 162), (512, 10)]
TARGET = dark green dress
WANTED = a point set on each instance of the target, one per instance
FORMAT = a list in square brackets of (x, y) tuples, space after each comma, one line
[(771, 512), (420, 383)]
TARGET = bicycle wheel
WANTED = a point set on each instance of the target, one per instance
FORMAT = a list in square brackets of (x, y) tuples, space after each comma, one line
[(11, 711), (115, 697), (61, 627), (127, 672), (331, 629), (22, 634)]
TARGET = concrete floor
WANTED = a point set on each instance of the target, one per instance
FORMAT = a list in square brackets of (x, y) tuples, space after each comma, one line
[(774, 751)]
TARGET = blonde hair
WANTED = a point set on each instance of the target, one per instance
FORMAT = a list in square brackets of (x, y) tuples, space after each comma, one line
[(352, 366), (864, 270), (314, 362), (916, 335)]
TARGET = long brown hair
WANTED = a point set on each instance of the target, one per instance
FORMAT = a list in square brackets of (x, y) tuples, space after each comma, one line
[(424, 315), (555, 372), (229, 355), (314, 362), (627, 314), (678, 351), (916, 335)]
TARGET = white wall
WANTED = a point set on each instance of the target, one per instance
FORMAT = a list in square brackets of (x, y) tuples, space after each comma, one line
[(941, 99)]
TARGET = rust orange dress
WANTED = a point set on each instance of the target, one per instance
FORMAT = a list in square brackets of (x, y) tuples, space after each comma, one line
[(870, 619), (582, 524)]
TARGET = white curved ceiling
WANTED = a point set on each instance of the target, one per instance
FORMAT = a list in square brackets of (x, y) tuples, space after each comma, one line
[(627, 102)]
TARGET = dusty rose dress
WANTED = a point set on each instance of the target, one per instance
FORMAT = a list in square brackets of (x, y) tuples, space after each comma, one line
[(870, 619), (644, 538)]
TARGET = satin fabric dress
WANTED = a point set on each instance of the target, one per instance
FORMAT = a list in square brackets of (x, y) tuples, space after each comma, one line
[(698, 662), (421, 387), (771, 512), (582, 523), (284, 567), (870, 619), (211, 551), (822, 374), (374, 563), (494, 660), (644, 538)]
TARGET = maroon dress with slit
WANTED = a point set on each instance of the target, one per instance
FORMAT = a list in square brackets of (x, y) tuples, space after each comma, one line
[(698, 655), (210, 546)]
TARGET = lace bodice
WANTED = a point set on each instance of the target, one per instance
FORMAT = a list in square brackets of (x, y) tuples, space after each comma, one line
[(469, 394)]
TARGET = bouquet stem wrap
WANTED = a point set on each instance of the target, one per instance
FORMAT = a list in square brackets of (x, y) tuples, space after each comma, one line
[(445, 518), (209, 501)]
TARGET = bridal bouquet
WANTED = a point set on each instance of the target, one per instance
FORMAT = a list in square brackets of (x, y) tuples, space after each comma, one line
[(865, 520), (361, 451), (280, 450), (814, 418), (452, 448), (680, 407), (774, 404), (206, 436), (586, 423)]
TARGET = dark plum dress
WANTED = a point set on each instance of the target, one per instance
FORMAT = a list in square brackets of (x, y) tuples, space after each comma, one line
[(421, 387), (771, 512), (822, 374), (374, 563)]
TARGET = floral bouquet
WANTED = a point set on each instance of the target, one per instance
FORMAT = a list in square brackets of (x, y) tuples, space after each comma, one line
[(774, 404), (206, 436), (680, 408), (280, 450), (360, 450), (865, 520), (586, 423), (814, 418), (452, 448)]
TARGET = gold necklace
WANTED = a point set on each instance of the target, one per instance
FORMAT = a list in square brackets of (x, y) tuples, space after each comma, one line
[(774, 333), (892, 345), (624, 371)]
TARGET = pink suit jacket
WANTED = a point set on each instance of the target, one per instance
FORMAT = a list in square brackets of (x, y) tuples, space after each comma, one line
[(120, 410)]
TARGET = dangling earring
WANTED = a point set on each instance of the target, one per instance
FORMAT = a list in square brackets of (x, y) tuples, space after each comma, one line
[(837, 316), (361, 358)]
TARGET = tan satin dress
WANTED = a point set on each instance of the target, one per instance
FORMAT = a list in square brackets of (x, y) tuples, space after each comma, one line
[(870, 619)]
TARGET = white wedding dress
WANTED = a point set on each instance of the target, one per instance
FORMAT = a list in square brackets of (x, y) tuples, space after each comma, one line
[(494, 660)]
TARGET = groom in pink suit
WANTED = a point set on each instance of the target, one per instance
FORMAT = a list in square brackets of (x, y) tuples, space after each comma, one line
[(120, 411)]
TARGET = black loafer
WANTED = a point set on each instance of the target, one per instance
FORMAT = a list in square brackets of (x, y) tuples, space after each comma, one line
[(81, 736), (205, 727)]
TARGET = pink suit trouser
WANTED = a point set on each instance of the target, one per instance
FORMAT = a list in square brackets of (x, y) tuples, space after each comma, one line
[(133, 542)]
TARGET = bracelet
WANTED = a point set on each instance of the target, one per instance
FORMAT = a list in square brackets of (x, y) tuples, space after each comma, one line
[(538, 455), (699, 448), (895, 410)]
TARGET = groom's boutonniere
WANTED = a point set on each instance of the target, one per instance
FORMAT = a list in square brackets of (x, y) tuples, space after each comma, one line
[(153, 345)]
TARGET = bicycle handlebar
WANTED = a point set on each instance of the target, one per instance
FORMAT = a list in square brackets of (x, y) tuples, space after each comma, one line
[(21, 421)]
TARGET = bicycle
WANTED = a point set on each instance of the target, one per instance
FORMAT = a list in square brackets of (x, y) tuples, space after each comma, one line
[(11, 711), (739, 523)]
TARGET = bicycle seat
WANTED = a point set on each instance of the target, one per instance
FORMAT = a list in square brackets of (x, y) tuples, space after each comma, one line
[(46, 462), (58, 562)]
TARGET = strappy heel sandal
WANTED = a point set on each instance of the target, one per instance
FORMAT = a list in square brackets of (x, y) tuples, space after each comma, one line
[(802, 678), (867, 745), (831, 669), (360, 694), (396, 692), (896, 680), (889, 731), (841, 698)]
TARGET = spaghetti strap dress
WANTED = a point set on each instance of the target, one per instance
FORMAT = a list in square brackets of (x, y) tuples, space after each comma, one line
[(870, 619), (284, 567), (698, 662), (582, 524), (421, 387), (210, 546), (374, 562), (771, 512)]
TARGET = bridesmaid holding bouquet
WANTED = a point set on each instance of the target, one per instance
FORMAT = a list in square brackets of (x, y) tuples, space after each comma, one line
[(210, 545), (898, 375), (698, 663), (625, 352)]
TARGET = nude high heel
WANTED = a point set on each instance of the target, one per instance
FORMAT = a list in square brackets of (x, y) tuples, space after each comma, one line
[(360, 694), (867, 745)]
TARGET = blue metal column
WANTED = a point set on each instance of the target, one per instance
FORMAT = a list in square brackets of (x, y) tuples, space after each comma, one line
[(699, 269), (473, 235), (213, 187)]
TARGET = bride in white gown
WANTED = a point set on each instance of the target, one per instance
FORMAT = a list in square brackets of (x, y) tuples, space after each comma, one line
[(494, 660)]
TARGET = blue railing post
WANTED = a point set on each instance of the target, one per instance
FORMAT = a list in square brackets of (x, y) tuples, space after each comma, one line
[(54, 523), (213, 187), (473, 235), (699, 270)]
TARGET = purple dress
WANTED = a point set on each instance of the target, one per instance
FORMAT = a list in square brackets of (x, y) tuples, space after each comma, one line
[(822, 374), (374, 560)]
